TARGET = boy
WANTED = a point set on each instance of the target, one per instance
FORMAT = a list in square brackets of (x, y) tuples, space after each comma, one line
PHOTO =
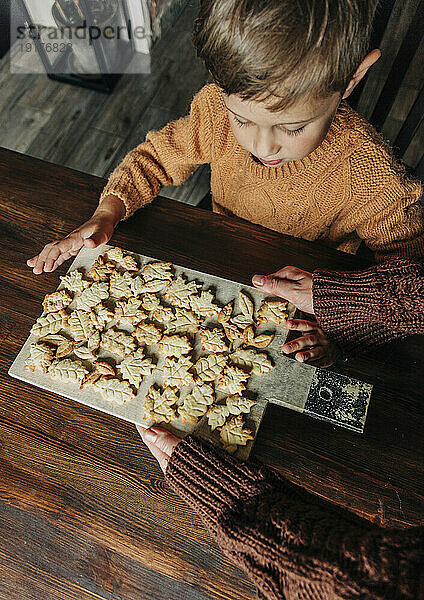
[(285, 150)]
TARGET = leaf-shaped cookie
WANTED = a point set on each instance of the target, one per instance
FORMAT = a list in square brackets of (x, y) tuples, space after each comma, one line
[(273, 310), (50, 323), (115, 390), (150, 301), (147, 333), (93, 342), (241, 321), (203, 305), (84, 353), (213, 340), (217, 415), (56, 301), (196, 404), (261, 341), (135, 366), (239, 404), (234, 434), (74, 281), (117, 341), (175, 345), (184, 321), (40, 357), (232, 332), (163, 314), (123, 259), (209, 367), (225, 313), (157, 270), (178, 292), (176, 372), (160, 405), (246, 305), (101, 270), (257, 363), (120, 285), (63, 346), (67, 370), (128, 312), (139, 286), (81, 325), (93, 295), (232, 380), (101, 315)]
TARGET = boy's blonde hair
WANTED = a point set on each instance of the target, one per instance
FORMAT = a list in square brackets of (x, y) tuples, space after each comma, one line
[(283, 50)]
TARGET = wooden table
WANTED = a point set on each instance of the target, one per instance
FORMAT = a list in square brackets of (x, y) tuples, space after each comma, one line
[(85, 513)]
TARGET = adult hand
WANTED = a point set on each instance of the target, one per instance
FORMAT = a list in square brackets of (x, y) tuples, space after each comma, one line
[(313, 347), (161, 443), (289, 283)]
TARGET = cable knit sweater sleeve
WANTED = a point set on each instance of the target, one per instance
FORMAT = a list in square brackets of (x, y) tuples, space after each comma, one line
[(362, 310), (167, 157), (292, 545)]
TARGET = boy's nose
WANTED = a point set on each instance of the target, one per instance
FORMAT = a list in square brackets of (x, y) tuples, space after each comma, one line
[(265, 146)]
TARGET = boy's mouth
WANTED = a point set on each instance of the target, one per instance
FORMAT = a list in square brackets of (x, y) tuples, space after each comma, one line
[(270, 163)]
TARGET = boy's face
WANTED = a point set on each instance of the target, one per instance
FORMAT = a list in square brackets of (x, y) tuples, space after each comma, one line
[(276, 138)]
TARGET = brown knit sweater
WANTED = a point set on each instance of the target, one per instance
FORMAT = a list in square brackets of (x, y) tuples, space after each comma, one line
[(362, 310), (293, 546), (348, 189)]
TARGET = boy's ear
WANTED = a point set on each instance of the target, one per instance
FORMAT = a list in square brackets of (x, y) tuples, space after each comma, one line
[(360, 72)]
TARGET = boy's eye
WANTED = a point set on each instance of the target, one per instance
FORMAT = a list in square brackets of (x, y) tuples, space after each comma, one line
[(240, 123), (295, 131)]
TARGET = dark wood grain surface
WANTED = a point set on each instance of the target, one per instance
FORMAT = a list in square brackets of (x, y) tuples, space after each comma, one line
[(84, 511)]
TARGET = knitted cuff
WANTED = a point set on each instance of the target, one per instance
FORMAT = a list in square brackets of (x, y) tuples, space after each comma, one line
[(363, 310), (211, 481)]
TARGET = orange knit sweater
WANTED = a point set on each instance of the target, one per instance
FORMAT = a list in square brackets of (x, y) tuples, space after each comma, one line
[(349, 188)]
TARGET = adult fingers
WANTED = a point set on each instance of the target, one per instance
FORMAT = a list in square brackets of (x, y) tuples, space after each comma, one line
[(162, 439), (306, 341), (302, 325), (292, 273), (160, 456), (274, 285), (310, 354)]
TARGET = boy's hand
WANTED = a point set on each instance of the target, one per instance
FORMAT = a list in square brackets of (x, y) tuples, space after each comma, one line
[(313, 346), (160, 442), (289, 283), (97, 230)]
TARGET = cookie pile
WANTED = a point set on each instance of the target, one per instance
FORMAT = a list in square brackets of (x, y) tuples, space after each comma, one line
[(135, 314)]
